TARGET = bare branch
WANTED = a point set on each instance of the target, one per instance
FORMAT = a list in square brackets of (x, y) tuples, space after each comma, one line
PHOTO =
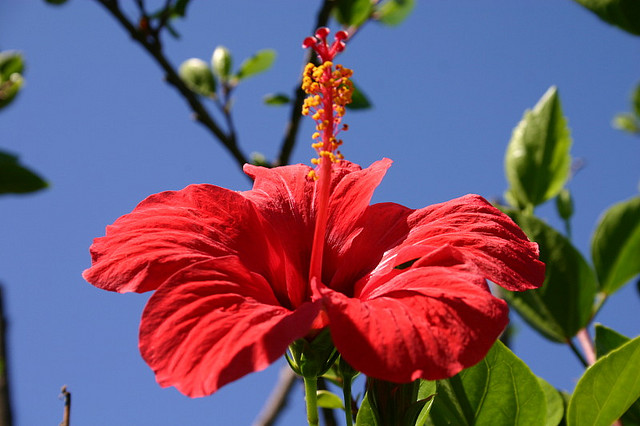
[(154, 49), (278, 399), (66, 413)]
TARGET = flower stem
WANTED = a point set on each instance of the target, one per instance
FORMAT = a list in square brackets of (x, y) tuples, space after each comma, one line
[(311, 396), (346, 392), (587, 346)]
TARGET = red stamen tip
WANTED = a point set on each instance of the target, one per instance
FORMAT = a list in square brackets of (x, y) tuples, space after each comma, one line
[(322, 33), (342, 35), (309, 42)]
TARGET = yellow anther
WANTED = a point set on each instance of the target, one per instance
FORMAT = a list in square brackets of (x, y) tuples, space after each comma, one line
[(312, 175)]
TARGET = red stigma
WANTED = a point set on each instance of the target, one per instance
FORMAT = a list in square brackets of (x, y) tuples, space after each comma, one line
[(322, 48)]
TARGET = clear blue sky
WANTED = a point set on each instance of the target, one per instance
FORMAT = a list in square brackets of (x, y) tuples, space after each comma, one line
[(97, 121)]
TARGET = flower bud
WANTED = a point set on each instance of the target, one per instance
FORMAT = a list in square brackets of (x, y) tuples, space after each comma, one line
[(564, 204), (312, 358), (221, 62), (197, 75)]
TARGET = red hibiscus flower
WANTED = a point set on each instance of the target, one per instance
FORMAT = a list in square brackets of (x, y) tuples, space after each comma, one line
[(403, 291)]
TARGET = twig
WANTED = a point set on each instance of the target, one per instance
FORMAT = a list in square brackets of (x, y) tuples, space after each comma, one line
[(278, 399), (295, 115), (587, 346), (6, 417), (66, 413), (171, 76)]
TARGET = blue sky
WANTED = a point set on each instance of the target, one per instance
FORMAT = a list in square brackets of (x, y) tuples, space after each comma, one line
[(96, 119)]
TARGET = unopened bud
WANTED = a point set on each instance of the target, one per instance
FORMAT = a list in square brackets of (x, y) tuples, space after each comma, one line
[(221, 61), (197, 75)]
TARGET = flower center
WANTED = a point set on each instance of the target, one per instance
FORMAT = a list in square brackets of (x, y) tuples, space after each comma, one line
[(329, 91)]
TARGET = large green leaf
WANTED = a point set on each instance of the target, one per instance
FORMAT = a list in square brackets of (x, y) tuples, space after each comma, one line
[(260, 62), (17, 179), (537, 161), (563, 305), (608, 388), (555, 403), (500, 390), (621, 13), (394, 12), (615, 247), (606, 341), (353, 13)]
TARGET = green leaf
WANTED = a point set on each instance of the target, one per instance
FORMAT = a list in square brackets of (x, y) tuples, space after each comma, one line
[(353, 13), (328, 399), (358, 100), (608, 388), (56, 2), (606, 341), (260, 62), (17, 179), (426, 394), (10, 63), (180, 8), (394, 12), (624, 14), (555, 403), (366, 416), (627, 122), (537, 161), (500, 390), (564, 204), (615, 247), (563, 305), (276, 99), (198, 77)]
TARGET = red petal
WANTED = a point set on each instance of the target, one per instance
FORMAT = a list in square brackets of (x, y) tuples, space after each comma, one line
[(171, 230), (425, 323), (215, 322)]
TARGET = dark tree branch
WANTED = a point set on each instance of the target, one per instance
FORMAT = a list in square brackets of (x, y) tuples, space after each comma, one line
[(295, 115), (6, 415), (66, 412), (151, 43)]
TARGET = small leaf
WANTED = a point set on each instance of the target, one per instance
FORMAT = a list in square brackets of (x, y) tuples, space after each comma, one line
[(624, 14), (500, 390), (607, 340), (353, 13), (615, 247), (10, 63), (180, 8), (627, 122), (555, 403), (537, 162), (426, 393), (260, 62), (394, 12), (563, 305), (328, 399), (197, 75), (276, 99), (366, 416), (564, 204), (608, 388), (358, 100), (17, 179)]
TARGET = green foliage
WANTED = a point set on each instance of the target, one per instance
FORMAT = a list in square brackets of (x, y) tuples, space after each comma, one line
[(366, 416), (630, 121), (358, 100), (564, 204), (615, 247), (500, 390), (353, 13), (607, 340), (537, 161), (426, 394), (17, 179), (259, 62), (394, 12), (11, 68), (555, 403), (624, 14), (276, 99), (608, 388), (564, 303), (198, 77), (328, 399)]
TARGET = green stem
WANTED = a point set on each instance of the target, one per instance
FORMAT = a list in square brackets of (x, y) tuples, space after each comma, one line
[(311, 396), (346, 392)]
